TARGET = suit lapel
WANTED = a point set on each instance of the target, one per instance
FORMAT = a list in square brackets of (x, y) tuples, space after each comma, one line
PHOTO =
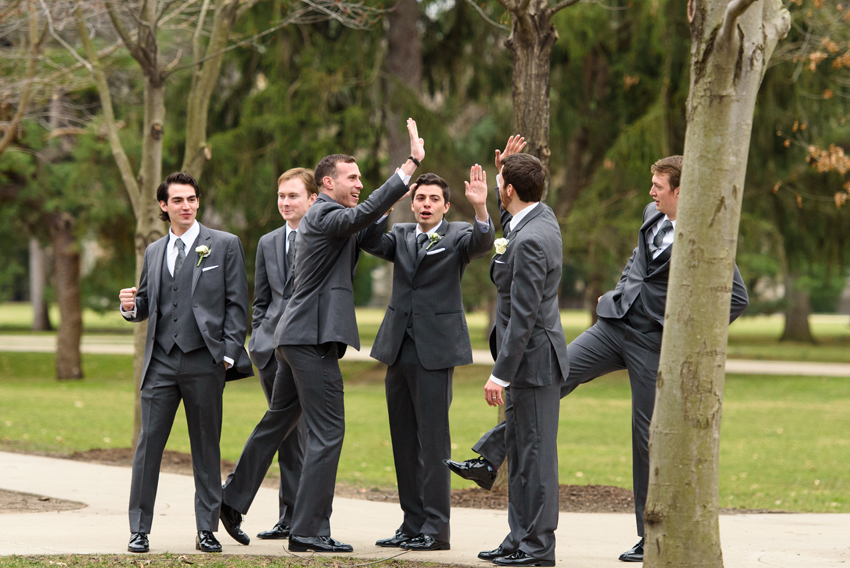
[(420, 254), (155, 270), (279, 243), (410, 240), (643, 249), (204, 238), (538, 209)]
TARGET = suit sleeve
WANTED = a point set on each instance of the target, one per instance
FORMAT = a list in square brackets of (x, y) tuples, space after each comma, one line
[(235, 300), (475, 244), (342, 222), (625, 275), (740, 299), (262, 290), (142, 304), (527, 281), (381, 245)]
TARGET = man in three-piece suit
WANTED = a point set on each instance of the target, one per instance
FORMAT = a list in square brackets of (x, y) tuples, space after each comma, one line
[(194, 292), (626, 336), (296, 192), (317, 325), (422, 338), (530, 360)]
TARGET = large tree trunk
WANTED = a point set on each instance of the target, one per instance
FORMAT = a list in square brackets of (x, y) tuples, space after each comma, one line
[(797, 312), (731, 45), (66, 271), (38, 282)]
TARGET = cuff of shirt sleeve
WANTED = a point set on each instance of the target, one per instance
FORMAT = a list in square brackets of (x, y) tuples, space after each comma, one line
[(382, 218), (483, 227), (500, 382), (404, 177), (228, 360), (130, 314)]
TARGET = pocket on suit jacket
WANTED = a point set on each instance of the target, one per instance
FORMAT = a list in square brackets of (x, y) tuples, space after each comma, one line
[(209, 268), (437, 251)]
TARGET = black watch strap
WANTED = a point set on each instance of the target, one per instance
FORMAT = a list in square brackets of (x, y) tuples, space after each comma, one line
[(414, 160)]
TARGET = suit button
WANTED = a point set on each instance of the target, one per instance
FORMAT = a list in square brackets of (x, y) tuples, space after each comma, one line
[(175, 288), (195, 306), (175, 304), (175, 320), (414, 287), (405, 313), (175, 334), (410, 325)]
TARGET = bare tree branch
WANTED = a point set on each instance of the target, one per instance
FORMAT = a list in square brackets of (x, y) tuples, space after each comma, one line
[(563, 4), (122, 33), (734, 10), (487, 18), (61, 41)]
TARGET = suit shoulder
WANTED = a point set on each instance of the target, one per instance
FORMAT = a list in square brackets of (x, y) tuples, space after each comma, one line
[(270, 235), (403, 227), (649, 211), (223, 235), (160, 242)]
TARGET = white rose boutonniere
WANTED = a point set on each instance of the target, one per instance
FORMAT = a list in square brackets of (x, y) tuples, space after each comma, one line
[(203, 252), (501, 245), (434, 238)]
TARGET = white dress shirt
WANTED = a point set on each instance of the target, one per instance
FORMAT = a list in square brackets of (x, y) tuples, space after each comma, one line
[(668, 238)]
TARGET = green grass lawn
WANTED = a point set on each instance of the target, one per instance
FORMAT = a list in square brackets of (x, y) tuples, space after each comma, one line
[(785, 441)]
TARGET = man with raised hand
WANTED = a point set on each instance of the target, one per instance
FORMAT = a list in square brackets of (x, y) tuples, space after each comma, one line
[(422, 338)]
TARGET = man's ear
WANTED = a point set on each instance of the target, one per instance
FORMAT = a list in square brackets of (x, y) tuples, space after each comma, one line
[(327, 183), (676, 191), (447, 208), (312, 198), (163, 206)]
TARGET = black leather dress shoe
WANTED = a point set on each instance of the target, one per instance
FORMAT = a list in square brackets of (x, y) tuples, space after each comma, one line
[(426, 542), (279, 532), (635, 554), (478, 470), (317, 543), (394, 541), (138, 543), (206, 542), (232, 521), (520, 558), (495, 553)]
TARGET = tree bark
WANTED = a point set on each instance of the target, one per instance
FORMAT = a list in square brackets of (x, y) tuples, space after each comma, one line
[(730, 48), (66, 257), (797, 312), (38, 282)]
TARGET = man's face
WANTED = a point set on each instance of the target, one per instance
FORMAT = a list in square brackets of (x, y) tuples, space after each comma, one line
[(666, 197), (346, 186), (429, 206), (182, 206), (293, 200)]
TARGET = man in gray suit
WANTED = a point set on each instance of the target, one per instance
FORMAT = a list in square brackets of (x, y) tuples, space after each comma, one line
[(296, 192), (422, 338), (626, 336), (317, 325), (194, 292), (531, 360)]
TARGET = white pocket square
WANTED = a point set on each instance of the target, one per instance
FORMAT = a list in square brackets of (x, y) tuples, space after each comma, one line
[(209, 268), (430, 252), (499, 261)]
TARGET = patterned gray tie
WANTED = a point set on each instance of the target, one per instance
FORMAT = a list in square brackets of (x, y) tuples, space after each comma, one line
[(421, 239), (666, 227), (290, 251), (181, 256)]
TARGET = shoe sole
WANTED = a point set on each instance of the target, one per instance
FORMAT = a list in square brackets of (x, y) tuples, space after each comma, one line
[(202, 549), (390, 545), (482, 484), (138, 550), (272, 537), (535, 563), (300, 548)]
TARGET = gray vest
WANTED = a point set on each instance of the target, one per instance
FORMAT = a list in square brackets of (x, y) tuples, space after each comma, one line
[(177, 325)]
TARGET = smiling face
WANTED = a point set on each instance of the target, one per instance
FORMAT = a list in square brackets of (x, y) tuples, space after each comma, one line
[(345, 187), (666, 197), (182, 207), (429, 206), (293, 201)]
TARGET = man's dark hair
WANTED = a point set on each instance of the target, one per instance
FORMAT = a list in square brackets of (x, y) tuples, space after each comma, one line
[(527, 174), (327, 167), (671, 167), (178, 178), (433, 179)]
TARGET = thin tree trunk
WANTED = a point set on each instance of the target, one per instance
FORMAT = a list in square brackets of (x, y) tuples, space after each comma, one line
[(38, 282), (66, 257), (731, 44), (797, 312)]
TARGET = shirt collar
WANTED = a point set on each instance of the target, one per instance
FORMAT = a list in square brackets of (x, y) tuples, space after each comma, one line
[(431, 231), (188, 237), (289, 229), (515, 220)]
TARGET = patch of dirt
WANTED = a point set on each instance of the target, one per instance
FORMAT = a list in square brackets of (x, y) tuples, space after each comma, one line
[(14, 502)]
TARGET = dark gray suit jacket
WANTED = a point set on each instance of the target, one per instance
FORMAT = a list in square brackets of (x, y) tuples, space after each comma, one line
[(428, 282), (219, 295), (649, 280), (330, 235), (270, 279), (530, 346)]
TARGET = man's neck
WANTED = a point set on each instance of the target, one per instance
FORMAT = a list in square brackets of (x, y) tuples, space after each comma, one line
[(293, 225), (178, 232), (428, 228), (516, 206)]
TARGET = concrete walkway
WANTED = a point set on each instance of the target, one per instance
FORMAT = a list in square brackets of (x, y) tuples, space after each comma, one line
[(123, 345), (584, 540)]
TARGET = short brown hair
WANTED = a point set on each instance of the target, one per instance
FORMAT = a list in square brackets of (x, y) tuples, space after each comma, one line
[(527, 174), (327, 166), (433, 179), (671, 167), (178, 178), (304, 175)]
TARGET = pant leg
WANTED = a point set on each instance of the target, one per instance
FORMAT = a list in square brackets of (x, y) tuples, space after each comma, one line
[(160, 399), (318, 381), (277, 423), (201, 383)]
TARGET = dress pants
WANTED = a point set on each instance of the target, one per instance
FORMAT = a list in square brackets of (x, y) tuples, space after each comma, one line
[(308, 379), (418, 403), (199, 382), (531, 435), (609, 345)]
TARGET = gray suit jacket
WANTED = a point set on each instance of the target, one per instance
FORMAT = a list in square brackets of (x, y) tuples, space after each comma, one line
[(530, 346), (330, 235), (428, 282), (270, 278), (219, 294), (648, 278)]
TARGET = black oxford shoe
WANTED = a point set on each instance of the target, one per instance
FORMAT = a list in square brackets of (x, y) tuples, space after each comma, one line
[(206, 542), (394, 541), (426, 542), (495, 553), (478, 470), (232, 521), (520, 558), (634, 554), (279, 532), (138, 543), (317, 544)]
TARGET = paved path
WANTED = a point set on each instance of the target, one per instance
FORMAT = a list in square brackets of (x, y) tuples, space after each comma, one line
[(585, 540), (123, 345)]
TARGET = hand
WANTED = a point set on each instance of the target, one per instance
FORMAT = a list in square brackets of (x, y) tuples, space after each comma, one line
[(515, 145), (127, 296), (417, 144), (476, 191), (599, 299), (493, 394), (226, 365)]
